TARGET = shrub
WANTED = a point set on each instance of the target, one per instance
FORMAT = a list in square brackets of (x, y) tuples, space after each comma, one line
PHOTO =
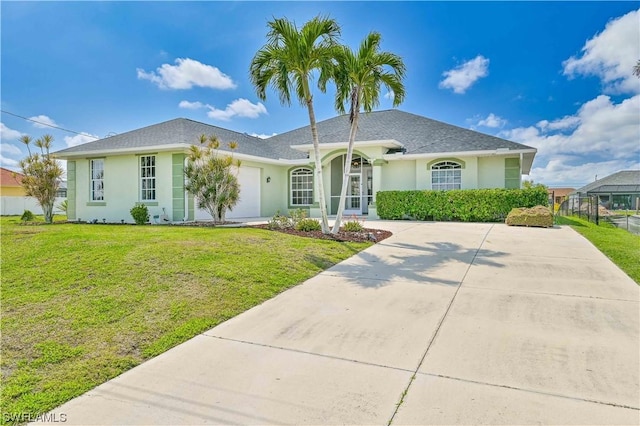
[(466, 205), (296, 216), (140, 214), (63, 206), (535, 216), (27, 216), (353, 226), (279, 221), (308, 224)]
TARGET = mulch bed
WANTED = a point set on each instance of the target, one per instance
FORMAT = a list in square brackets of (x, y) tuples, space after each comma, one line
[(367, 234)]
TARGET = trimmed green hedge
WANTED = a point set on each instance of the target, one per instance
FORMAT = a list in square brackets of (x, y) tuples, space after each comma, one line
[(465, 205)]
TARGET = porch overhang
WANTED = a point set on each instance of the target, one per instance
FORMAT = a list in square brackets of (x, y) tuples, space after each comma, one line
[(384, 143)]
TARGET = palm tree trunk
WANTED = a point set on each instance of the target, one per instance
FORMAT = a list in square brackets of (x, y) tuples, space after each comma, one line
[(347, 172), (47, 209), (324, 223)]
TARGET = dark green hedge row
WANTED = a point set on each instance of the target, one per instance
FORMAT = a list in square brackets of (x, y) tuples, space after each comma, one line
[(465, 205)]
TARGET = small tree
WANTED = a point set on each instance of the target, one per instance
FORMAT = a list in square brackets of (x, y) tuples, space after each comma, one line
[(212, 177), (527, 184), (42, 174)]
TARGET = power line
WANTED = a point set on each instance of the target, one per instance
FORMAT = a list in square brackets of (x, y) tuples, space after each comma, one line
[(47, 124)]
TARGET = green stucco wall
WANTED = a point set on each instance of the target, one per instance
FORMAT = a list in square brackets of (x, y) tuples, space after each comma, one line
[(177, 192), (71, 190)]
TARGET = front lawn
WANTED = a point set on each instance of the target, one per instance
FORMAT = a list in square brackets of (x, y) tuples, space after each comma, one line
[(83, 303), (622, 247)]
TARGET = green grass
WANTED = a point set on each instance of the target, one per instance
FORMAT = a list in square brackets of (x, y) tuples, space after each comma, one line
[(83, 303), (622, 247)]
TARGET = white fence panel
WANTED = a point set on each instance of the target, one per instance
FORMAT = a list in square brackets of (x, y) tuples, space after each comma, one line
[(17, 205)]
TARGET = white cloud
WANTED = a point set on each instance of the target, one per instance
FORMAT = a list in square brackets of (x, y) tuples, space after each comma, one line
[(492, 121), (565, 123), (463, 76), (561, 171), (262, 135), (601, 138), (8, 149), (43, 122), (238, 108), (79, 139), (600, 127), (611, 55), (389, 95), (8, 162), (186, 74), (191, 105), (8, 134)]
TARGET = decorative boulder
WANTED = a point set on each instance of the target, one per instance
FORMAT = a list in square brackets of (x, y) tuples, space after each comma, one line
[(535, 216)]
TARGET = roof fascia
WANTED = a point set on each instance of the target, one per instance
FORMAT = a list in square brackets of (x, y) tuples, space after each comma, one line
[(122, 151), (484, 153), (385, 143), (182, 147)]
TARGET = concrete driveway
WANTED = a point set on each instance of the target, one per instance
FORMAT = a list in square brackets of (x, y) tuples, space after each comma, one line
[(443, 323)]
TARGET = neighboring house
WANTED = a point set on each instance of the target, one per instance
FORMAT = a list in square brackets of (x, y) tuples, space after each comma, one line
[(394, 150), (13, 200), (10, 183), (558, 195), (619, 191), (12, 196)]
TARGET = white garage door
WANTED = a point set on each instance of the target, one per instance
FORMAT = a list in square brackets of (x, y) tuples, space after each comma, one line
[(249, 203)]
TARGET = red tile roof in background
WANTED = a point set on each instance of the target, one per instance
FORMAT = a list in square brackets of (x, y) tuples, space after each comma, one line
[(7, 177), (560, 192)]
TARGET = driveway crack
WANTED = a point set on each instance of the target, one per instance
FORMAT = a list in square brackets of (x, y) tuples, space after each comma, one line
[(435, 333)]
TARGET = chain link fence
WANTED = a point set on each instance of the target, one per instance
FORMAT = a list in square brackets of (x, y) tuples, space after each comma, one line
[(587, 207), (628, 222), (583, 206)]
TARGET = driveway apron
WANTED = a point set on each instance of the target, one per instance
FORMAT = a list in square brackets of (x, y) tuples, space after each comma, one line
[(442, 323)]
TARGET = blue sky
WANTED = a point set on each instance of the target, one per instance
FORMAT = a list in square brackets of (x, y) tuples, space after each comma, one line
[(557, 76)]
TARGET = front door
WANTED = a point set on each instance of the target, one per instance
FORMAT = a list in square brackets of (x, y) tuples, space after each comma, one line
[(353, 203), (359, 186)]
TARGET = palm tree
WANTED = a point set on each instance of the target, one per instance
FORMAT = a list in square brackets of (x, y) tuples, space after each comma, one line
[(288, 62), (636, 69), (359, 76)]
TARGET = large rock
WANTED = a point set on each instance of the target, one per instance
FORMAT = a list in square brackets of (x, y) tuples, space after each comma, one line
[(535, 216)]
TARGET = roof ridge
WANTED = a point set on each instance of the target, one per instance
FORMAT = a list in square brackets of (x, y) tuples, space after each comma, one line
[(221, 128)]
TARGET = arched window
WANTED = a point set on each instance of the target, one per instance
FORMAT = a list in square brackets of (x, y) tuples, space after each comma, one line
[(446, 175), (301, 187)]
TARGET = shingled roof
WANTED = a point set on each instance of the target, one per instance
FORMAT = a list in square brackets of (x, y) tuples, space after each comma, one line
[(622, 181), (184, 131), (418, 135)]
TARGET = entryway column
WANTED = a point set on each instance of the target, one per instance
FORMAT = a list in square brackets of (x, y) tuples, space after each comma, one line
[(314, 210), (377, 186)]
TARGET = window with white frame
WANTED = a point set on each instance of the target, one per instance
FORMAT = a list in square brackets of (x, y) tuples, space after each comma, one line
[(446, 175), (301, 187), (148, 178), (97, 179)]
